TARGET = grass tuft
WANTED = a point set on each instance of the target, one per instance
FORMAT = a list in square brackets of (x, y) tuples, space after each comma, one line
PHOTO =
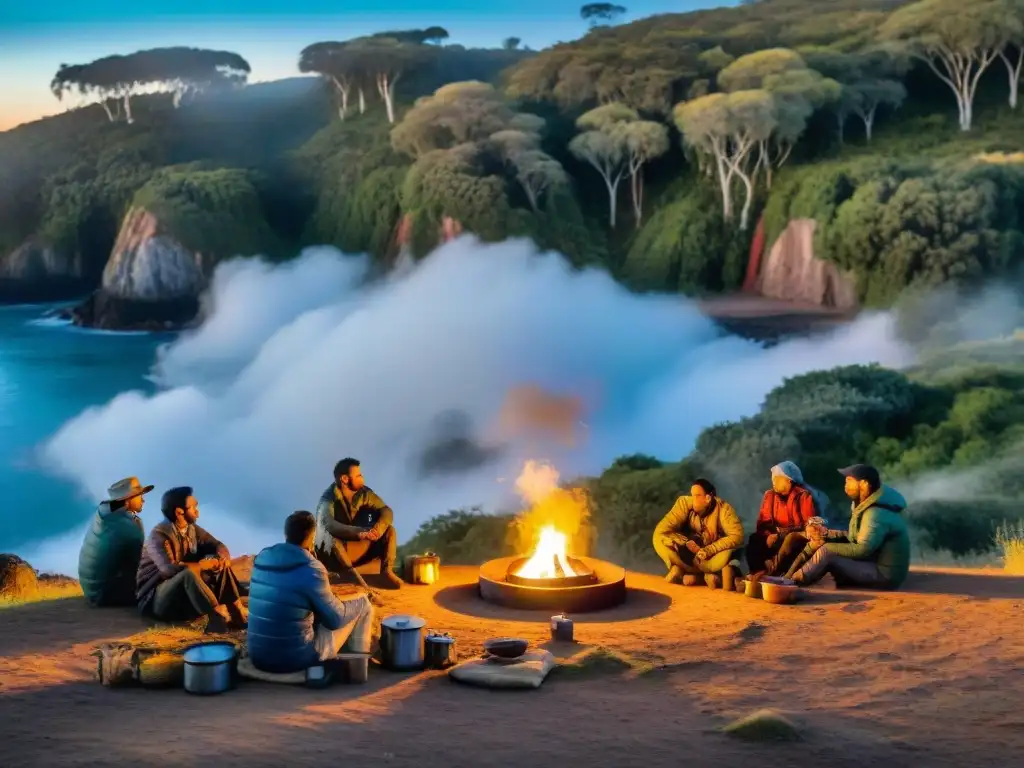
[(763, 725), (1010, 541)]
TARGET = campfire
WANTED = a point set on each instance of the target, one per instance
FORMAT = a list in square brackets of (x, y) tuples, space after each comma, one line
[(550, 564), (554, 535)]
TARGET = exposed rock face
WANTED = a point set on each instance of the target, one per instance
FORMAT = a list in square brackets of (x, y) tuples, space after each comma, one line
[(151, 281), (792, 272), (148, 265), (35, 271)]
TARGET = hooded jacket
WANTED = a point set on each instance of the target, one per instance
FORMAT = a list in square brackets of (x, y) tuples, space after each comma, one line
[(878, 531), (109, 557), (288, 592), (715, 531), (338, 520)]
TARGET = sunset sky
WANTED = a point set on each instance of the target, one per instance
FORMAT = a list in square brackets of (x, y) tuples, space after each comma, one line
[(36, 37)]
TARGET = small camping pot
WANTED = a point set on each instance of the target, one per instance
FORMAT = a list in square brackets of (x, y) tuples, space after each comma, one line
[(439, 651), (401, 642), (211, 668), (423, 569), (561, 628)]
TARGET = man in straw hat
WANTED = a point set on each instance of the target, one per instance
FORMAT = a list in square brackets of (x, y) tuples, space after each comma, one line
[(109, 558), (185, 572)]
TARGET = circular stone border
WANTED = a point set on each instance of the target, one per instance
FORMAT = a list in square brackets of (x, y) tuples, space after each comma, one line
[(607, 592)]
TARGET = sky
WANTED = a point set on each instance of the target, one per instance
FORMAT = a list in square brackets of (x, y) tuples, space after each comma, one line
[(37, 37)]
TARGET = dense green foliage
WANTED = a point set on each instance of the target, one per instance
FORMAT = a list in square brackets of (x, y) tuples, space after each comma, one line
[(948, 434), (833, 115)]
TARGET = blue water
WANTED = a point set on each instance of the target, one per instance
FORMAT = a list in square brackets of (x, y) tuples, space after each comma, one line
[(49, 373)]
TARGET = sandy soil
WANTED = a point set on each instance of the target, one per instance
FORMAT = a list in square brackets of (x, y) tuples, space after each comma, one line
[(930, 676)]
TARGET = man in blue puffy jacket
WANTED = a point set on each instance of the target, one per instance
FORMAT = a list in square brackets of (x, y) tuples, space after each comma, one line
[(295, 620)]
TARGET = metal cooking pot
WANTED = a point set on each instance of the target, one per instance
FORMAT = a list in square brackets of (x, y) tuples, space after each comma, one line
[(439, 651), (210, 668), (401, 642), (423, 569)]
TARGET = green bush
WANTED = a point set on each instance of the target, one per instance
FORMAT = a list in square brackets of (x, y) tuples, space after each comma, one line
[(212, 212)]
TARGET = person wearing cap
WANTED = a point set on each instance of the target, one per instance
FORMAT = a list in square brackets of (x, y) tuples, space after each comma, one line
[(295, 620), (874, 552), (779, 534), (700, 536), (110, 553), (185, 572)]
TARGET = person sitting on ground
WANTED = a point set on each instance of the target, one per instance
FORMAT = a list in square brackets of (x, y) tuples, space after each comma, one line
[(875, 552), (185, 572), (294, 618), (700, 535), (110, 553), (779, 535), (355, 527)]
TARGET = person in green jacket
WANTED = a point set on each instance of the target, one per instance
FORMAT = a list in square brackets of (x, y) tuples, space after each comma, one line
[(700, 536), (874, 552), (110, 553), (355, 527)]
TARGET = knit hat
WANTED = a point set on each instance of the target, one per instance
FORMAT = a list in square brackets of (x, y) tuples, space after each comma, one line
[(790, 470)]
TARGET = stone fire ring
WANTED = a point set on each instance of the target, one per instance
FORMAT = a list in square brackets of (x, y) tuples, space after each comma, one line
[(608, 591)]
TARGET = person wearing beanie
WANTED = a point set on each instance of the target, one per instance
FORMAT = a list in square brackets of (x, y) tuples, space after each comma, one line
[(779, 536)]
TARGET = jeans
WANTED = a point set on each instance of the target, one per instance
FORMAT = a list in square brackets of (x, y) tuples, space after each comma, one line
[(349, 555), (681, 557), (845, 570), (355, 634), (188, 595)]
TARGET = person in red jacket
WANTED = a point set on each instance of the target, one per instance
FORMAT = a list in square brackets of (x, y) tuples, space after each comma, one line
[(779, 536)]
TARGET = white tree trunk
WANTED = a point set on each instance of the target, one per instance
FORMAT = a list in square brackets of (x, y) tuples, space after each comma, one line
[(106, 108), (385, 87), (748, 200), (343, 89), (128, 108), (961, 72), (362, 102), (868, 116), (636, 188), (611, 178), (1013, 70), (176, 98)]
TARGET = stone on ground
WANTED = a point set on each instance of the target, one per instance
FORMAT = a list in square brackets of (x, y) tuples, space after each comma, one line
[(763, 725)]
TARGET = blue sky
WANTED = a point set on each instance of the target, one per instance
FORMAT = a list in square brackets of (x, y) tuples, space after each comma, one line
[(37, 36)]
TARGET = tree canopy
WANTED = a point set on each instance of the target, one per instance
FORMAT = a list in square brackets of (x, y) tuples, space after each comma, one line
[(181, 71)]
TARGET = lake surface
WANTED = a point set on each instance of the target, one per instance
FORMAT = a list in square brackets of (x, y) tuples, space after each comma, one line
[(49, 373)]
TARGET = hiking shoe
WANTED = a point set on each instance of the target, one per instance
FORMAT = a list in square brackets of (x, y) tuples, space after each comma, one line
[(690, 580), (713, 580), (391, 579), (675, 575)]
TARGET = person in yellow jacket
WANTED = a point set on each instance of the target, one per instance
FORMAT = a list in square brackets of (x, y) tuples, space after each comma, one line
[(700, 535)]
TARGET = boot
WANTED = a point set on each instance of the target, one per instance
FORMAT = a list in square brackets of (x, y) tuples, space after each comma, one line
[(675, 575), (713, 580), (690, 580), (390, 578), (729, 578)]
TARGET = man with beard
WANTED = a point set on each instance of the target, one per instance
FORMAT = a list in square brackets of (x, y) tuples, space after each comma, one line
[(779, 535), (354, 527), (112, 548), (700, 536), (874, 552), (185, 572)]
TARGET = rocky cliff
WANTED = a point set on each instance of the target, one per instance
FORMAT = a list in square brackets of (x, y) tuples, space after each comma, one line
[(35, 271), (151, 281), (792, 272)]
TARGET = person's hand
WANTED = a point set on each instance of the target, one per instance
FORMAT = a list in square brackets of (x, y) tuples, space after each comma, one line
[(372, 534), (700, 556), (693, 546), (223, 563), (816, 533), (772, 538)]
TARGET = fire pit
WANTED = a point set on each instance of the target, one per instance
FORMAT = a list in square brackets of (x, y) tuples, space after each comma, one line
[(552, 580)]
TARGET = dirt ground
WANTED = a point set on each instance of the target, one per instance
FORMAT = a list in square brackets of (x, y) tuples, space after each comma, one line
[(930, 676)]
